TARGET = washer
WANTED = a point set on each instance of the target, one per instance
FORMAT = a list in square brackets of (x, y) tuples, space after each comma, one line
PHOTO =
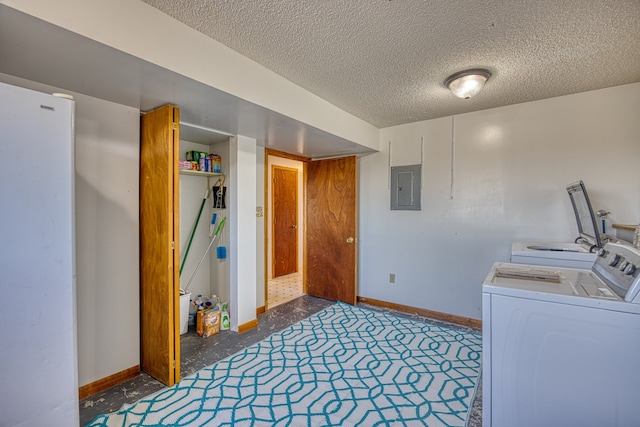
[(570, 255), (580, 254), (561, 346)]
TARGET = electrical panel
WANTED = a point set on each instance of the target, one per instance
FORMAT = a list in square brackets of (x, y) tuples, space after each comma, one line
[(406, 187)]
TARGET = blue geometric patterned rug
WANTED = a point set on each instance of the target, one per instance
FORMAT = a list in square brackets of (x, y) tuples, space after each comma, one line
[(344, 366)]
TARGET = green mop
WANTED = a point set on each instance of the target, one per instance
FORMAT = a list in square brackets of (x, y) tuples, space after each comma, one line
[(206, 252), (195, 226)]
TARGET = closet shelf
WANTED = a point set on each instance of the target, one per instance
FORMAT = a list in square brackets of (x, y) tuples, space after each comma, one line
[(198, 173)]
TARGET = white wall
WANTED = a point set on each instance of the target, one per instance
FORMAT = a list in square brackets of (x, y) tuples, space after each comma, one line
[(107, 234), (260, 226), (192, 192), (242, 230), (107, 237), (510, 169), (220, 268)]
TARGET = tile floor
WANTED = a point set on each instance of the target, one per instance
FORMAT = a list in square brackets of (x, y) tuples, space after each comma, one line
[(198, 353), (284, 289)]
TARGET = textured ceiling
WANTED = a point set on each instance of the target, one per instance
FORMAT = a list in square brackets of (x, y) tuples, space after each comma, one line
[(385, 61)]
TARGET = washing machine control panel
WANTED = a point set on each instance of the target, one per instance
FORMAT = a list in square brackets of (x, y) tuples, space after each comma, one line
[(618, 266)]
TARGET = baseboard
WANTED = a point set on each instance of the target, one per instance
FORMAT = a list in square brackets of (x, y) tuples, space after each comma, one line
[(466, 321), (249, 325), (104, 383), (261, 310)]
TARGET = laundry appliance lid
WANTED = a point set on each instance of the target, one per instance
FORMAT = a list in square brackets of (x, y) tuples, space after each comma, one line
[(586, 220), (553, 250)]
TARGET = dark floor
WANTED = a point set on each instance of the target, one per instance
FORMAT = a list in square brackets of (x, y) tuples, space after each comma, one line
[(198, 353)]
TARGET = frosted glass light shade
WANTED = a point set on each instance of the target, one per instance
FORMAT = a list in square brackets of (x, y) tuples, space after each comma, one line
[(468, 83)]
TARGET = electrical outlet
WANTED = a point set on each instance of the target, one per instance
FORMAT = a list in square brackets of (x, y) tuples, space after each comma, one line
[(392, 277)]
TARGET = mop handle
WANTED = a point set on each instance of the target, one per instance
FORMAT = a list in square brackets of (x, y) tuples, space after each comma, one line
[(193, 232), (205, 253)]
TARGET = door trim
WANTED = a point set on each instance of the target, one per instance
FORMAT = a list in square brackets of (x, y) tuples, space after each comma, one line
[(267, 206)]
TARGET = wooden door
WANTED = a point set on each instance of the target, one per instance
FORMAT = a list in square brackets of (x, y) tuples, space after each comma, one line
[(331, 229), (159, 253), (285, 220)]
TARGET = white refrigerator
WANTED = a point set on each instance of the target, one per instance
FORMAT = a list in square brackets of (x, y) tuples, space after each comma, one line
[(38, 356)]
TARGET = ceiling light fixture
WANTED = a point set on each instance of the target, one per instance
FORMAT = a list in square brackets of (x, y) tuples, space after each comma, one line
[(467, 83)]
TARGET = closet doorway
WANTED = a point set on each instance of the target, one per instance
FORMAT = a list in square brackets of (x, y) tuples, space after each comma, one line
[(285, 227)]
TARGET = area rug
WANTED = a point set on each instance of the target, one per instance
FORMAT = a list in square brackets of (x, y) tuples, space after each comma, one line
[(344, 366)]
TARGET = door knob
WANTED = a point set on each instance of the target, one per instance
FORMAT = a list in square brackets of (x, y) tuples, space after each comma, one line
[(294, 226), (350, 240)]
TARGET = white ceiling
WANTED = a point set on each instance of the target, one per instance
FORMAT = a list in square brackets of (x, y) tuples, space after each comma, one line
[(382, 61), (44, 53), (385, 61)]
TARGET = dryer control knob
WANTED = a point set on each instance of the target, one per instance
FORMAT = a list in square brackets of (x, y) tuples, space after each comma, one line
[(614, 260), (624, 265), (630, 269), (601, 252)]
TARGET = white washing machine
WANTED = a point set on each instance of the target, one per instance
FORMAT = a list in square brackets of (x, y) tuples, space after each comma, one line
[(581, 254), (561, 346), (569, 255)]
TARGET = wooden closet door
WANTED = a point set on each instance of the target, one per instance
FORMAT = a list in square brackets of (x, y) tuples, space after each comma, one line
[(284, 185), (159, 253)]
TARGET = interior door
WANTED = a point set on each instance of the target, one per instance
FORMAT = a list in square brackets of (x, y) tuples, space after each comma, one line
[(331, 229), (159, 253), (285, 219)]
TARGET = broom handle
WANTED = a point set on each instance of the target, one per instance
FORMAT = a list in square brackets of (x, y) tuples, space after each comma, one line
[(205, 253)]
